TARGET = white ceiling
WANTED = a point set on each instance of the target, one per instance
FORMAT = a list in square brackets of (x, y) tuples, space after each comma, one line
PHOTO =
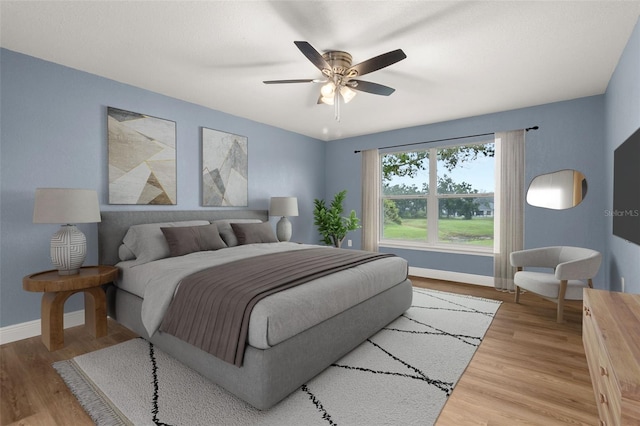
[(463, 58)]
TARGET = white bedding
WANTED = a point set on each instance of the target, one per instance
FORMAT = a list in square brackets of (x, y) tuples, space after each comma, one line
[(277, 317)]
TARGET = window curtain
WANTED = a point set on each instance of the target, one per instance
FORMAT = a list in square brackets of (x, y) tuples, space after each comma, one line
[(371, 181), (509, 205)]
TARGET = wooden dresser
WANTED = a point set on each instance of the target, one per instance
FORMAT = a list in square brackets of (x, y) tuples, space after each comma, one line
[(611, 337)]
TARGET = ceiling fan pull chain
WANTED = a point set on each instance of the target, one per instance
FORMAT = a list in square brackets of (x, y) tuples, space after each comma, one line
[(336, 103)]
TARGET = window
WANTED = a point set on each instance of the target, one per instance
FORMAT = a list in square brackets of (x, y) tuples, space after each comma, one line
[(439, 197)]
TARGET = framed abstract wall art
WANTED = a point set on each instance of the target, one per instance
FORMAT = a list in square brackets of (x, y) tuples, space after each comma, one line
[(225, 168), (142, 158)]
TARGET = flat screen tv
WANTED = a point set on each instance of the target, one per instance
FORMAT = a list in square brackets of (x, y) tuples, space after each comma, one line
[(626, 189)]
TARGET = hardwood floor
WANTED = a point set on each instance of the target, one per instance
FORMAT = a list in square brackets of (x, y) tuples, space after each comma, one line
[(529, 370), (32, 393)]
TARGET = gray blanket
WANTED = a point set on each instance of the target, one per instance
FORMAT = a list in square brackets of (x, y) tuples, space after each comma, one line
[(212, 307)]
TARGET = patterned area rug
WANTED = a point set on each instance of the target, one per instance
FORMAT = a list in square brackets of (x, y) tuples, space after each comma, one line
[(401, 375)]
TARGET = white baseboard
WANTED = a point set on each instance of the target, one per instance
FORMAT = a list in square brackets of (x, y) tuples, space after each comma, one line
[(460, 277), (24, 330)]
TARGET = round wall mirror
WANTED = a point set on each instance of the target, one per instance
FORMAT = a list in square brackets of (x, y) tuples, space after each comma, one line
[(558, 190)]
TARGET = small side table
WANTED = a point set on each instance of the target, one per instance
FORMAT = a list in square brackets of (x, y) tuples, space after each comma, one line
[(58, 288)]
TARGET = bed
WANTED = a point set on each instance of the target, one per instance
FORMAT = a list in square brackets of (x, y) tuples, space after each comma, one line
[(292, 335)]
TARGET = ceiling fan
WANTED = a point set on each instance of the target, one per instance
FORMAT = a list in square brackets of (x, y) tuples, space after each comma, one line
[(340, 77)]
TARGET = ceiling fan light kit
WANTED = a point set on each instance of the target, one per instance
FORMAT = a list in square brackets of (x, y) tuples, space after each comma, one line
[(328, 93), (336, 66)]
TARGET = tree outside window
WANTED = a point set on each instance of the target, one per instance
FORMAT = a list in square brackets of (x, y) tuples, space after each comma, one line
[(458, 212)]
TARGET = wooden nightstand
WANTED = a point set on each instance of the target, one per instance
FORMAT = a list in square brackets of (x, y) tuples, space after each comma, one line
[(58, 288)]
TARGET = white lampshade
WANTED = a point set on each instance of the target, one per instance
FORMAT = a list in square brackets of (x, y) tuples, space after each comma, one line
[(347, 94), (67, 207), (283, 206), (327, 100), (327, 93), (328, 89)]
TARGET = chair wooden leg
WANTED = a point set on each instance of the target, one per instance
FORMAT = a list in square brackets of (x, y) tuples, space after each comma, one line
[(561, 294), (518, 269)]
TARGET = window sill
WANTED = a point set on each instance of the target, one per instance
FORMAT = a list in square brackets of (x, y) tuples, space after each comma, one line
[(453, 249)]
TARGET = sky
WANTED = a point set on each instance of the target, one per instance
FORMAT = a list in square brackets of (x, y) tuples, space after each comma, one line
[(479, 173)]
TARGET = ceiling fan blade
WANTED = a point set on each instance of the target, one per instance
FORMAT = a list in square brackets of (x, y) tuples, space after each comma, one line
[(306, 80), (313, 55), (369, 87), (377, 62)]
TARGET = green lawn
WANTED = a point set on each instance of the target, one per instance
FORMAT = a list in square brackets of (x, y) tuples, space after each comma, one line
[(477, 231)]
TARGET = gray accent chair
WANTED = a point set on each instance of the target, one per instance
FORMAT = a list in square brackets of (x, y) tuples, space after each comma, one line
[(571, 267)]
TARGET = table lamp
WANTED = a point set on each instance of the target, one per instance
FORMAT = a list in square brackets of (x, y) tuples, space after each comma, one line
[(67, 207), (283, 206)]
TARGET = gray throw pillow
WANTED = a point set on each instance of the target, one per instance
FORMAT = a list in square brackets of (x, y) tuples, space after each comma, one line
[(226, 232), (250, 233), (190, 239)]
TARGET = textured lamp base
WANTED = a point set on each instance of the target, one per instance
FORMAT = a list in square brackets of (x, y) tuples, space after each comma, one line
[(68, 250), (283, 229)]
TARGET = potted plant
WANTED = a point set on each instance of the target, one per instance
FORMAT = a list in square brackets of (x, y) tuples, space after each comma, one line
[(332, 226)]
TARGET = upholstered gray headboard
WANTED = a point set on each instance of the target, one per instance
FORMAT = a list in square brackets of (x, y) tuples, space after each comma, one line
[(115, 224)]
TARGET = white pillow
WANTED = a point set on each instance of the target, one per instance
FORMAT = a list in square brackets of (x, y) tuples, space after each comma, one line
[(125, 254), (147, 242), (226, 231)]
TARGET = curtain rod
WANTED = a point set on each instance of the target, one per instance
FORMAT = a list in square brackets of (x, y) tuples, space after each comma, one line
[(446, 139)]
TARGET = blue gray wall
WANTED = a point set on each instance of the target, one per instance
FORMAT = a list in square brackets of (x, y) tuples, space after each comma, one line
[(622, 112), (580, 134), (571, 136), (54, 134)]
